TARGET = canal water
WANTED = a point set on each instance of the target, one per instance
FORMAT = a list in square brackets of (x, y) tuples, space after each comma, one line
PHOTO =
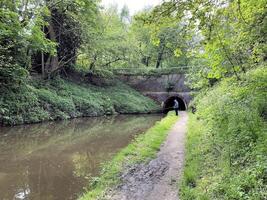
[(57, 160)]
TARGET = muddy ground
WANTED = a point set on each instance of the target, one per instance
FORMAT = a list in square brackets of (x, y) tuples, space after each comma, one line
[(157, 180)]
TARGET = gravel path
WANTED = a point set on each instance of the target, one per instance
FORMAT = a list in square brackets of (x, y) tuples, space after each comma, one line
[(158, 179)]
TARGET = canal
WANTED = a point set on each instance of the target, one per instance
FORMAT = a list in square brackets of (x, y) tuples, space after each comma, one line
[(57, 160)]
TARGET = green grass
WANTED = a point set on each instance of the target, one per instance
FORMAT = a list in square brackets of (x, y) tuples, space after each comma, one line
[(142, 149), (227, 142), (41, 100)]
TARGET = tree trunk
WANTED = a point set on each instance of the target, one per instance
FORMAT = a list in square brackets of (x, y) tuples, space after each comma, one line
[(52, 62), (146, 60), (43, 62), (92, 64), (43, 65), (160, 53)]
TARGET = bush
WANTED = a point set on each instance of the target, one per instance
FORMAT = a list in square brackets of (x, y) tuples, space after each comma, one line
[(227, 143), (86, 107), (57, 102), (20, 105), (127, 100)]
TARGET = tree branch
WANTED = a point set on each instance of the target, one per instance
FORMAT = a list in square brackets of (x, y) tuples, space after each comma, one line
[(108, 63)]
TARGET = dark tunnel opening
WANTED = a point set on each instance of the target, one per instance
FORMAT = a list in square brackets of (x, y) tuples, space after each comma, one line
[(169, 103)]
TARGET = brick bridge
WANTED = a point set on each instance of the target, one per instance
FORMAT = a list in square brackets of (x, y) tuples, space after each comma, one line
[(162, 88)]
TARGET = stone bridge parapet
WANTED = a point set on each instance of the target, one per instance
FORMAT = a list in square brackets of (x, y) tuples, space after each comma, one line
[(161, 88)]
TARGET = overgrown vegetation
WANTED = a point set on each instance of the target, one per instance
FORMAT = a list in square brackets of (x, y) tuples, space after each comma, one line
[(227, 142), (142, 149), (225, 38), (42, 100), (222, 44), (58, 38)]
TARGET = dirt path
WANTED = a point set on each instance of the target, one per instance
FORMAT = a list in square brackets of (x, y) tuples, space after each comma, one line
[(156, 180)]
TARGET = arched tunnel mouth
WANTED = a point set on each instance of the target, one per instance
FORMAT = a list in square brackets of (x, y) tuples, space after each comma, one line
[(169, 103)]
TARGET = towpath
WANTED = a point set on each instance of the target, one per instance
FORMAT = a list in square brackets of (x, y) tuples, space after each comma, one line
[(158, 179)]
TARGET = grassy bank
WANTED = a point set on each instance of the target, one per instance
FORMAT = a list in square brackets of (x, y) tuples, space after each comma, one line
[(142, 149), (227, 142), (39, 100)]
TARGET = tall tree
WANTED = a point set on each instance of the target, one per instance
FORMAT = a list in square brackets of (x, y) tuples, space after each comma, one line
[(65, 27), (110, 42), (232, 34), (159, 44), (20, 37)]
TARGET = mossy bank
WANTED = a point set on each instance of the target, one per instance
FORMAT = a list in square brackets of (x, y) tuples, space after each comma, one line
[(141, 150), (39, 100), (227, 141)]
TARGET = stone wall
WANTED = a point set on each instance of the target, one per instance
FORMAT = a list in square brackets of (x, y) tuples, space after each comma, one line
[(160, 88), (156, 83)]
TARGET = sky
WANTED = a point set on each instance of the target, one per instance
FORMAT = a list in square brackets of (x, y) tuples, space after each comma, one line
[(133, 5)]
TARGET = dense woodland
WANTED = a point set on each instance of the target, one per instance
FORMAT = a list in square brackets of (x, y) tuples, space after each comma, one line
[(213, 39), (51, 50)]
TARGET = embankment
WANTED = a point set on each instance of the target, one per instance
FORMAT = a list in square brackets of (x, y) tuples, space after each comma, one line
[(227, 142), (56, 99)]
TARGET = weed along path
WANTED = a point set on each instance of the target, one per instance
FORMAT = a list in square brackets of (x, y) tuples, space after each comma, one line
[(158, 179)]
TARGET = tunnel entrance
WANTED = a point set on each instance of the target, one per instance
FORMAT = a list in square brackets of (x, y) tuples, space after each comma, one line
[(169, 103)]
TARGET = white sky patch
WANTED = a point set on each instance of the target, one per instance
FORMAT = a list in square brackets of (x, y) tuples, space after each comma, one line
[(133, 5)]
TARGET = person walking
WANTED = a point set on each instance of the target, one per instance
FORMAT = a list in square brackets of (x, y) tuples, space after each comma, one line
[(176, 106)]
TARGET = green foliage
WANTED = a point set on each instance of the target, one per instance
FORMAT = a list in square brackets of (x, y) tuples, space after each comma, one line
[(11, 44), (64, 104), (142, 149), (127, 100), (157, 45), (107, 45), (225, 38), (119, 41), (19, 37), (226, 144), (20, 105), (60, 99)]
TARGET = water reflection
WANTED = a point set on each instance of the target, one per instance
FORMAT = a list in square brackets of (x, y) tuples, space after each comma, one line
[(56, 160)]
